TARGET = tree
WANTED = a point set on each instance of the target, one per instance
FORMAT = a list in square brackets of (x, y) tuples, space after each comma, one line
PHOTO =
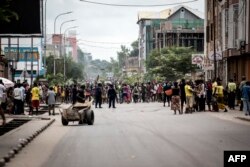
[(6, 14), (135, 50), (172, 63), (122, 56)]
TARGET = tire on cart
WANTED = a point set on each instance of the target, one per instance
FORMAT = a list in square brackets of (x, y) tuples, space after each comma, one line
[(90, 117), (64, 121)]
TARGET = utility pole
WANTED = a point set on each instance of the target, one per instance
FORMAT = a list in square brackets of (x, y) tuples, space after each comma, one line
[(215, 63), (31, 82)]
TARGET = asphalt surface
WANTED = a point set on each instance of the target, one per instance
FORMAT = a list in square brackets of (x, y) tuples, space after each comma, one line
[(137, 135)]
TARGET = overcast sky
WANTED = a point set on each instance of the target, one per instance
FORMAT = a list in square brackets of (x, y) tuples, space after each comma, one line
[(100, 23)]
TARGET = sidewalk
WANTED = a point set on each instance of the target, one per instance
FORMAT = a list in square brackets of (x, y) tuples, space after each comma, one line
[(232, 115), (13, 141)]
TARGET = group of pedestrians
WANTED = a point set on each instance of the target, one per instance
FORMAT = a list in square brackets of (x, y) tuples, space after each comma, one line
[(182, 96)]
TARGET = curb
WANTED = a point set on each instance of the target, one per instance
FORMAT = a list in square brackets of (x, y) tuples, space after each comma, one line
[(11, 154)]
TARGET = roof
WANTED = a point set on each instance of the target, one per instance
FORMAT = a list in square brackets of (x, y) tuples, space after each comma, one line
[(164, 14), (194, 11)]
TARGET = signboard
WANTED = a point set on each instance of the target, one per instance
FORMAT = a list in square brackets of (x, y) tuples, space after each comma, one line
[(25, 74), (197, 59), (217, 57), (25, 53), (29, 21)]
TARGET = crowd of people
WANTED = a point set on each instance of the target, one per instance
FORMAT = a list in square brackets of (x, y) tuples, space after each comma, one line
[(194, 95)]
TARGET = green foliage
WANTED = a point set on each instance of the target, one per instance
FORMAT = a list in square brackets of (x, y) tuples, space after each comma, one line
[(74, 70), (169, 63), (132, 79), (135, 50), (55, 80), (6, 14)]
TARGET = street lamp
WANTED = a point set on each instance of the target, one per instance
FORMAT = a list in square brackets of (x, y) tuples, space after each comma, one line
[(64, 63), (61, 34), (55, 33), (45, 36)]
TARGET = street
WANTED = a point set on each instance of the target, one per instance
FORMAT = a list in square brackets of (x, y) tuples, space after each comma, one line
[(136, 135)]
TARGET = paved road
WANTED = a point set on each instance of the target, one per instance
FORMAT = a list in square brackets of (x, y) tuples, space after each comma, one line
[(137, 135)]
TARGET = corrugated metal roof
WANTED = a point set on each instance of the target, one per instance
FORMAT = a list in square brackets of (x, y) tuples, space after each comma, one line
[(164, 14)]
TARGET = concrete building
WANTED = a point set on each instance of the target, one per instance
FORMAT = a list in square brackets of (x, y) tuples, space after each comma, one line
[(21, 58), (180, 26), (227, 39)]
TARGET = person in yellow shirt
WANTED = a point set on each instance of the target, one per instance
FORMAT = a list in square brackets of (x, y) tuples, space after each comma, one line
[(35, 97), (231, 94), (189, 97), (220, 96), (214, 84)]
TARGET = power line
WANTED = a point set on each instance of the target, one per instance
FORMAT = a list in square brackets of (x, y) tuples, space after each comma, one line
[(97, 46), (116, 43), (129, 5)]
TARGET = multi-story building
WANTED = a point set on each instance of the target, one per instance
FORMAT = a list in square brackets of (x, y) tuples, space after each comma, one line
[(227, 39), (22, 59), (180, 26)]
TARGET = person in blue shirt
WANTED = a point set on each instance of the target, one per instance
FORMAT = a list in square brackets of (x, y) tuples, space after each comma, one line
[(246, 98)]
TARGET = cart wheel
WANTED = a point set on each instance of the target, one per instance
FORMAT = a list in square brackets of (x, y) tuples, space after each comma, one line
[(90, 117), (64, 121)]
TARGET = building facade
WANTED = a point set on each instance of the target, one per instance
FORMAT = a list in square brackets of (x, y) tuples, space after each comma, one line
[(180, 26), (227, 39)]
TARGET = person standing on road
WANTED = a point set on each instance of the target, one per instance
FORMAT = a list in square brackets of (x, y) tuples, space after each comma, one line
[(74, 94), (246, 98), (209, 93), (2, 90), (220, 96), (51, 100), (175, 101), (35, 97), (18, 99), (242, 83), (189, 97), (98, 95), (111, 96), (182, 93), (81, 94), (231, 94)]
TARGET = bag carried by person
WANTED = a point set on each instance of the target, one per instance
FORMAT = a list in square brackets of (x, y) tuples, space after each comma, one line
[(169, 92)]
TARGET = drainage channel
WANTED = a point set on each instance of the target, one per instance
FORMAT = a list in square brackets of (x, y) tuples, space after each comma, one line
[(13, 124)]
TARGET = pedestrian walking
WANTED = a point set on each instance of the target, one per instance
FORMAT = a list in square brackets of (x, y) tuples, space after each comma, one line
[(219, 93), (231, 88), (51, 96), (35, 98), (2, 90), (111, 96), (246, 98)]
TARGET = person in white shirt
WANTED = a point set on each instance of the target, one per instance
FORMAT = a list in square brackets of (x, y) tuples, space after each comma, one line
[(2, 90), (18, 99), (201, 96)]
